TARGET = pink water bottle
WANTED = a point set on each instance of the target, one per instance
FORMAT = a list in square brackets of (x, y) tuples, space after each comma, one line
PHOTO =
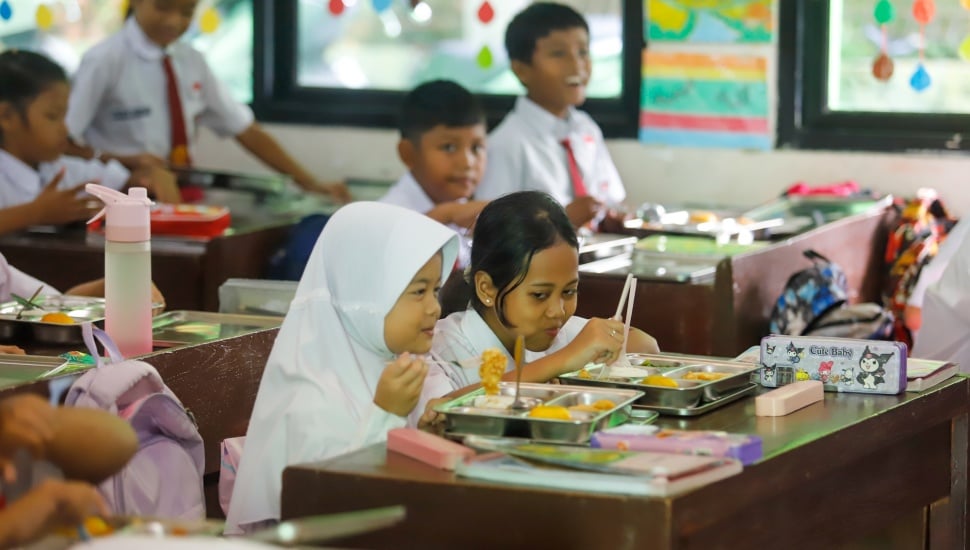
[(127, 267)]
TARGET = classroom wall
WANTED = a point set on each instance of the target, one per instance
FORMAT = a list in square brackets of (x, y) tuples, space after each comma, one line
[(658, 174)]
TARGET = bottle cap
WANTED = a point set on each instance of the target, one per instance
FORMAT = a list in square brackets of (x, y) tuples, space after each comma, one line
[(127, 217)]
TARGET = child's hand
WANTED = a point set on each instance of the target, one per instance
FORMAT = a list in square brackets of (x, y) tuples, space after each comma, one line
[(26, 422), (140, 161), (466, 214), (337, 190), (12, 350), (582, 210), (432, 421), (55, 206), (613, 221), (400, 385), (160, 182), (50, 505), (600, 341)]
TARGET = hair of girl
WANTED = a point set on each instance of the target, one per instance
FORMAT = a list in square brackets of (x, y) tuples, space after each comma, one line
[(508, 233), (23, 76)]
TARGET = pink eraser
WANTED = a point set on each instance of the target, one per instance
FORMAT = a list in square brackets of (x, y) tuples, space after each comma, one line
[(427, 448), (788, 398)]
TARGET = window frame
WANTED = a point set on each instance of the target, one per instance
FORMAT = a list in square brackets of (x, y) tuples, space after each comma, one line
[(277, 97), (804, 121)]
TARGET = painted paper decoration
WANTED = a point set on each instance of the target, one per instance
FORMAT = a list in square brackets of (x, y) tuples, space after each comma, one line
[(882, 69), (209, 22), (884, 13), (485, 12), (44, 17), (484, 57), (923, 11), (381, 5), (964, 49), (6, 12), (921, 79), (336, 7)]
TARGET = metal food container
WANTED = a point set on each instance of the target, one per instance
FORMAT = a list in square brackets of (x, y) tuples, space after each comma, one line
[(21, 369), (698, 382), (464, 418), (178, 328), (30, 327)]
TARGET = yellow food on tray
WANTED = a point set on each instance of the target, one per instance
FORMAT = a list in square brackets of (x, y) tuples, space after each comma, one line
[(702, 216), (58, 318), (705, 376), (603, 405), (658, 380), (585, 375), (551, 412), (94, 526), (494, 363)]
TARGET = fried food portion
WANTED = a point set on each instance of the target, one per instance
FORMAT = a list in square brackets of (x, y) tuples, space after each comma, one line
[(494, 363)]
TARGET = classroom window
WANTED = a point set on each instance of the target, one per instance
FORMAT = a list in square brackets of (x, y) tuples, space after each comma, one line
[(874, 75), (65, 29), (349, 61)]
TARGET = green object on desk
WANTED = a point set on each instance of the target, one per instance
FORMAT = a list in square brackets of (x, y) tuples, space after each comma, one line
[(694, 246)]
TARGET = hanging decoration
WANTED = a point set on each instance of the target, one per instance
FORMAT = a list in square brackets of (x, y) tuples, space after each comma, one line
[(6, 12), (486, 13), (923, 12), (336, 7), (44, 17), (381, 5), (484, 57), (124, 9), (209, 21), (964, 49), (882, 67)]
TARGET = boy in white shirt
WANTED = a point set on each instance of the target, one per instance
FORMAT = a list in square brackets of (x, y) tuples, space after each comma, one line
[(443, 146), (545, 143)]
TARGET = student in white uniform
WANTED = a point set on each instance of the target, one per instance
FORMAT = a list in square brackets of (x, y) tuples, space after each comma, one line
[(545, 143), (35, 176), (140, 95), (343, 369), (525, 277), (443, 146), (931, 273), (945, 330)]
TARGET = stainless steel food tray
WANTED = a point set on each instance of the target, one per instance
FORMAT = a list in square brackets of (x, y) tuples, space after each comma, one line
[(463, 418), (21, 369), (30, 328), (178, 328), (688, 393)]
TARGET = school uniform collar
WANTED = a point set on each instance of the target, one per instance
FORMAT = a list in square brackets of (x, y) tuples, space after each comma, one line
[(474, 327), (544, 122), (139, 42), (422, 202), (18, 172)]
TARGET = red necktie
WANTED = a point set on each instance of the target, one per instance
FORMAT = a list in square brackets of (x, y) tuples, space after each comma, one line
[(179, 153), (575, 176)]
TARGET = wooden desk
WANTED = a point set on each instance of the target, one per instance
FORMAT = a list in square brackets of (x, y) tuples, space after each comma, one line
[(188, 273), (833, 473), (729, 315)]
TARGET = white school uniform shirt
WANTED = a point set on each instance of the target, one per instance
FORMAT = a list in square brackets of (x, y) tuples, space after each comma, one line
[(316, 397), (19, 183), (407, 192), (525, 152), (13, 281), (119, 102), (463, 336), (945, 332)]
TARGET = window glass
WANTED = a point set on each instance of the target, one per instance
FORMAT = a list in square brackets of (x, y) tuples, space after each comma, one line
[(348, 44), (65, 29), (856, 40)]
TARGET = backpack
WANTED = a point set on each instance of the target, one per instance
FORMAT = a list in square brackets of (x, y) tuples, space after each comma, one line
[(866, 321), (808, 295), (164, 477), (288, 263)]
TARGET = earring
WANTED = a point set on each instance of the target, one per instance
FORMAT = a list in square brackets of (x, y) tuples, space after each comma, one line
[(488, 301)]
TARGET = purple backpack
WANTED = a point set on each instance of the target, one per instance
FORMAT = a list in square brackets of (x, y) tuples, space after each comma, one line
[(164, 478)]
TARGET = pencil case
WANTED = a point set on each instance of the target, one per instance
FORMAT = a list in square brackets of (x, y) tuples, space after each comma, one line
[(841, 364), (745, 448)]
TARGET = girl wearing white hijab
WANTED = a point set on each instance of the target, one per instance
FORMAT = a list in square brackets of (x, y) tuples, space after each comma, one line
[(332, 384)]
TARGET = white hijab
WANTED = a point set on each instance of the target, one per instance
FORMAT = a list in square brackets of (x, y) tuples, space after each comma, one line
[(316, 398)]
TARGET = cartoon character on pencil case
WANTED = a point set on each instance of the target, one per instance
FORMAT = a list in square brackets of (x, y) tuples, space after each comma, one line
[(873, 369), (825, 371), (847, 377), (794, 354), (770, 348), (768, 375), (802, 374)]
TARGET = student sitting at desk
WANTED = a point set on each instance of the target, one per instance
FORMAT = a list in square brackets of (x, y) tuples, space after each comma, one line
[(443, 146), (139, 96), (545, 143), (34, 173)]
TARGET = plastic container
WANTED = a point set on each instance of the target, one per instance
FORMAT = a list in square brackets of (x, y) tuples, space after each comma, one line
[(256, 296), (127, 267)]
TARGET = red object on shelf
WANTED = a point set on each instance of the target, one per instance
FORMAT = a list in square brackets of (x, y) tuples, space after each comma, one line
[(843, 189), (186, 220)]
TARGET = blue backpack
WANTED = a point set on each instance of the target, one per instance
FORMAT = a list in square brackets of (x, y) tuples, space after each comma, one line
[(808, 295), (288, 263)]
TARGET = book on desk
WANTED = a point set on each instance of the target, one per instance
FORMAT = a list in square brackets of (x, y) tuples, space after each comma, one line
[(922, 374)]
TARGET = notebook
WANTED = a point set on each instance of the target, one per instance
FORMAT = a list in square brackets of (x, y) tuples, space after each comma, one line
[(923, 374)]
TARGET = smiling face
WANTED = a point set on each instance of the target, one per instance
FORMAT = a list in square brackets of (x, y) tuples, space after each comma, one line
[(557, 76), (37, 133), (541, 304), (410, 323), (164, 21), (448, 161)]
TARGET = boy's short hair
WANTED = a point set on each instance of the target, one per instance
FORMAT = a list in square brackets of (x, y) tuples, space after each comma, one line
[(536, 22), (438, 102)]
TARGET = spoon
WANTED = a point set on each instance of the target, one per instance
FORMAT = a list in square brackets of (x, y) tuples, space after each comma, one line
[(518, 404)]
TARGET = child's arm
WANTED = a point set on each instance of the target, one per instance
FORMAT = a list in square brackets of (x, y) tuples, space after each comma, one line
[(582, 210), (52, 206), (160, 182), (641, 342), (462, 214), (600, 341), (51, 504), (95, 288), (258, 142), (90, 444)]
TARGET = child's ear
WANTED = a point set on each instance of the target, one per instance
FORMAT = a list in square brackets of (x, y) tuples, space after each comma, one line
[(7, 113), (521, 71), (407, 152), (484, 288)]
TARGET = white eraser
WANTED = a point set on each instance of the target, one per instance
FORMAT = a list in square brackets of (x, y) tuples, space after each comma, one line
[(789, 398)]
